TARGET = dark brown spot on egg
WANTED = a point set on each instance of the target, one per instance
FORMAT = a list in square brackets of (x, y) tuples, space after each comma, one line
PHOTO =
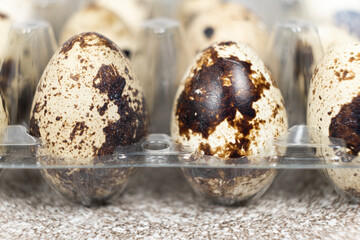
[(128, 74), (276, 111), (102, 110), (108, 80), (78, 130), (344, 75), (38, 107), (75, 77), (346, 125), (34, 127), (127, 53), (132, 125), (135, 92), (3, 16), (88, 39), (226, 44), (209, 32), (218, 89)]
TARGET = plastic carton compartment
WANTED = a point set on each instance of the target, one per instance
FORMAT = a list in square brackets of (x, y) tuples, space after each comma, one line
[(294, 50), (159, 151)]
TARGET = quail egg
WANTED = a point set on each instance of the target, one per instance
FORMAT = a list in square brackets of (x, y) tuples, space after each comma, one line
[(87, 103), (228, 106)]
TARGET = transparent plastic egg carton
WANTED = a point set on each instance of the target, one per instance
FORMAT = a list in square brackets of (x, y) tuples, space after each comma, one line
[(294, 45), (159, 151)]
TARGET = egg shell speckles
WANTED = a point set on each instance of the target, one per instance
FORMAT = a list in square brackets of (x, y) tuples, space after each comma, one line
[(88, 100), (94, 18), (4, 116), (226, 22), (4, 121), (334, 110), (188, 10), (5, 24), (228, 106), (87, 103)]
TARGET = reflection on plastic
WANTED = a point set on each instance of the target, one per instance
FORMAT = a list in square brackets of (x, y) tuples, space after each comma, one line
[(305, 148), (29, 48), (160, 63), (294, 51)]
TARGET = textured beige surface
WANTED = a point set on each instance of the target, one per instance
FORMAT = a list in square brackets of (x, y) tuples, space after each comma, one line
[(158, 204)]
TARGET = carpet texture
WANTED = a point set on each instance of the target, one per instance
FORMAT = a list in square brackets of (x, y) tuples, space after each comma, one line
[(159, 204)]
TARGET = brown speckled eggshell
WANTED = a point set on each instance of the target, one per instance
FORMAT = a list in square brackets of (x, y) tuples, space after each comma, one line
[(4, 121), (101, 20), (228, 106), (87, 103), (334, 110), (226, 21)]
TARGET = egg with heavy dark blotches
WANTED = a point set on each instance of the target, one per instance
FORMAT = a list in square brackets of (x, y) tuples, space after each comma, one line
[(229, 107), (87, 103), (334, 111)]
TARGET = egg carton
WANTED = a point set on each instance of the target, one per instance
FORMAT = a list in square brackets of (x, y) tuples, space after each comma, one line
[(20, 151), (159, 150), (295, 47)]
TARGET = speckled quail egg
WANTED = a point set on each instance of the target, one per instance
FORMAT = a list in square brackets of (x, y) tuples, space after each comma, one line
[(132, 12), (4, 118), (227, 22), (345, 15), (228, 106), (101, 20), (87, 103), (4, 121), (5, 24), (189, 9), (350, 20), (28, 50), (334, 110), (55, 12), (330, 35)]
